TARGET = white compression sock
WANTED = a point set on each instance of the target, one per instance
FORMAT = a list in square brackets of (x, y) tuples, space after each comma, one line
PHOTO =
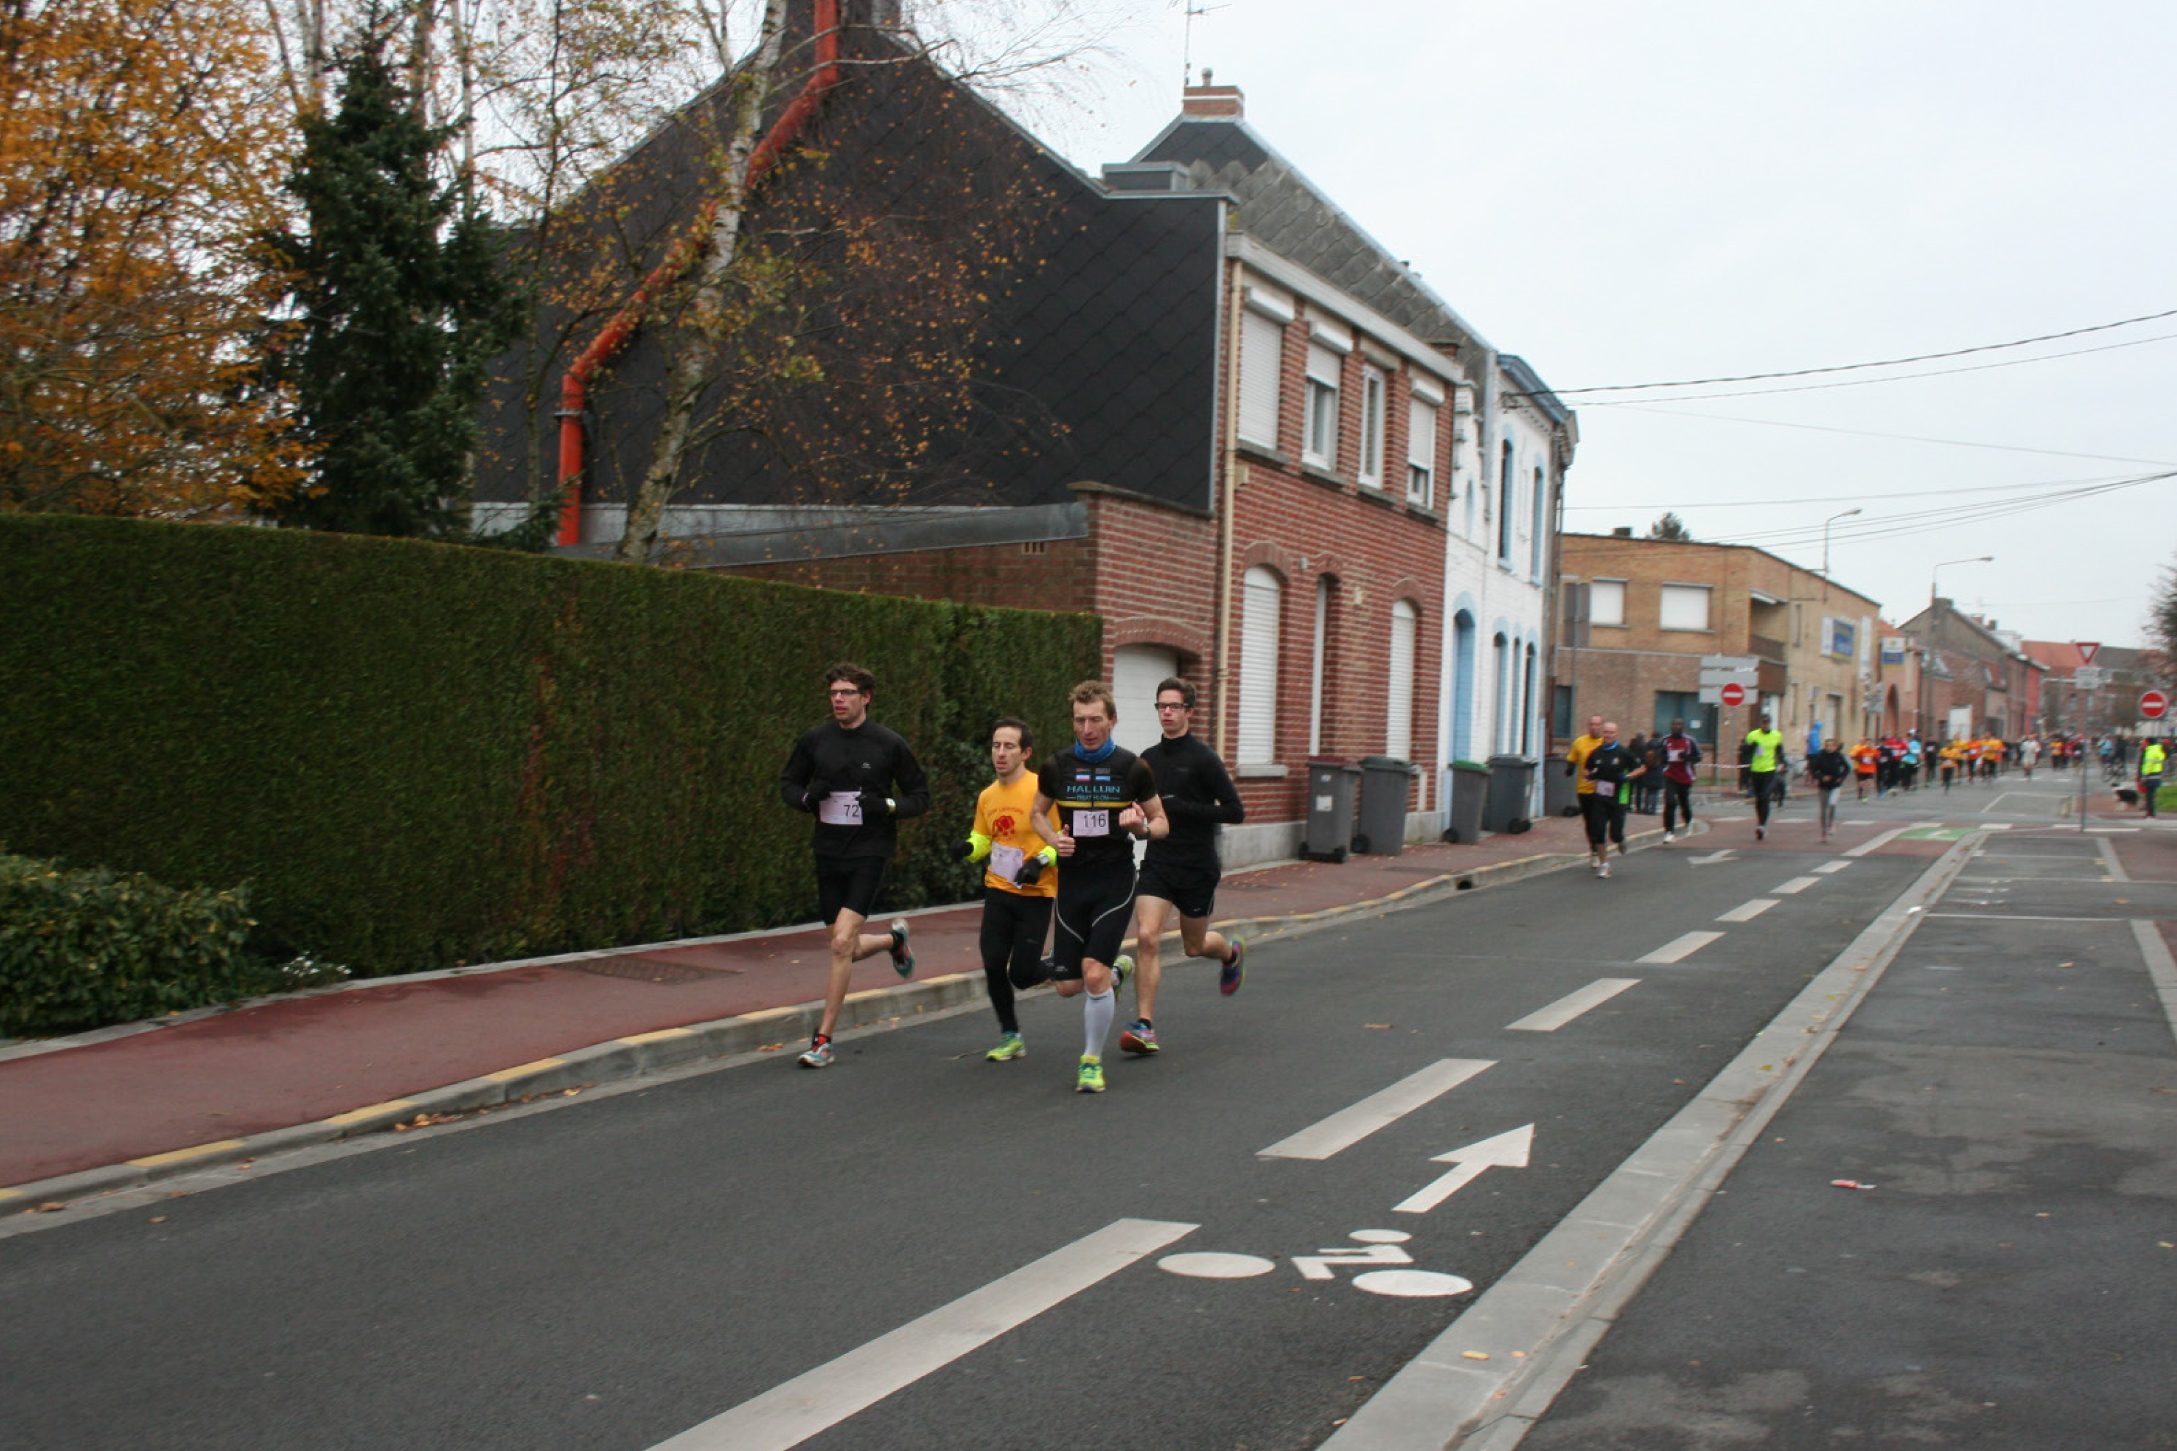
[(1096, 1015)]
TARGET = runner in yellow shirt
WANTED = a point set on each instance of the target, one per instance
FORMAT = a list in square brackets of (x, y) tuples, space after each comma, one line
[(1018, 886)]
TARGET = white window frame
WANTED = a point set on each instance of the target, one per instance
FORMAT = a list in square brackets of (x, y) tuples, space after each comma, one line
[(1683, 596), (1315, 678), (1375, 409), (1263, 596), (1610, 590), (1398, 732), (1319, 446), (1421, 452)]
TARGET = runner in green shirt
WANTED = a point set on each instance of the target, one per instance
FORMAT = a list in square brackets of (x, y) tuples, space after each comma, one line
[(1763, 753)]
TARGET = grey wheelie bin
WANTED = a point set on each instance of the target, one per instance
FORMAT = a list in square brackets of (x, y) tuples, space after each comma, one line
[(1385, 783), (1511, 782), (1560, 792), (1333, 786), (1465, 794)]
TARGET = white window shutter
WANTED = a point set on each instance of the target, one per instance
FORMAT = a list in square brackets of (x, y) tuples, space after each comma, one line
[(1399, 724), (1261, 600), (1262, 346)]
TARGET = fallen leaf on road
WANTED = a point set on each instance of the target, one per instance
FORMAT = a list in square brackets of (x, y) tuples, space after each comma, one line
[(1474, 1354), (1377, 1027), (769, 1047), (158, 1219), (49, 1206)]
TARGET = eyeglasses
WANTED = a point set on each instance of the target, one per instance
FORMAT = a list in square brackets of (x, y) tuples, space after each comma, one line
[(1173, 705), (850, 690)]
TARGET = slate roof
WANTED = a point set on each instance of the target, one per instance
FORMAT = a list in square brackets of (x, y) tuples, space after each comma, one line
[(1277, 204)]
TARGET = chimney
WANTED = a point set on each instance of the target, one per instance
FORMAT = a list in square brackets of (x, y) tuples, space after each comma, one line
[(1623, 531), (1210, 102)]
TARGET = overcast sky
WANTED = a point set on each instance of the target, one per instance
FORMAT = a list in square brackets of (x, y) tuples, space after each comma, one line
[(1637, 193)]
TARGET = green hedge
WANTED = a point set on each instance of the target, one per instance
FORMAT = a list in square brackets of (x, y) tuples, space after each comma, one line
[(418, 755), (82, 948)]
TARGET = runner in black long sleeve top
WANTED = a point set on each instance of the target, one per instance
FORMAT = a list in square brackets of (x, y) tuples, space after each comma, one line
[(857, 779), (1179, 875)]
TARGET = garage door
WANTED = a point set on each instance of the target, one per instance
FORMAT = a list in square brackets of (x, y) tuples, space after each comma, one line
[(1135, 671)]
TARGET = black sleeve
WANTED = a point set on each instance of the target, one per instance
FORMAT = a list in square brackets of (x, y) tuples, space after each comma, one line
[(1224, 808), (1141, 782), (911, 786), (794, 780)]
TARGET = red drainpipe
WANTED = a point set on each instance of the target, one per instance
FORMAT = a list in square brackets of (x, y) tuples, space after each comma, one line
[(574, 389)]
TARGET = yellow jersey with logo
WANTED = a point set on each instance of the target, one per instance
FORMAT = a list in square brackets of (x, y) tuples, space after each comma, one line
[(1006, 814)]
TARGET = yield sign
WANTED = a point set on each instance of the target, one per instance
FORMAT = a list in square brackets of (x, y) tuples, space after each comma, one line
[(1508, 1150), (2088, 649)]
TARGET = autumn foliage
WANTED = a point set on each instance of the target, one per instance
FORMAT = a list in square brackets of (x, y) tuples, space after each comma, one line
[(134, 177)]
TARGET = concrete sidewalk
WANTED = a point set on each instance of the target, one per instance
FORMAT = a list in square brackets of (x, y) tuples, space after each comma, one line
[(130, 1104)]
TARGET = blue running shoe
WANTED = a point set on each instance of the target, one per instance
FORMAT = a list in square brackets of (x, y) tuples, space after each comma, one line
[(1235, 968)]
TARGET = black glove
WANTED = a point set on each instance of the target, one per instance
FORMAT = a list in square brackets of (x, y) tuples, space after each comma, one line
[(874, 806), (813, 794), (1031, 872), (962, 849)]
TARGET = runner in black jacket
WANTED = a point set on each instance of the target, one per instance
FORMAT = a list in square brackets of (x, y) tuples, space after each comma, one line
[(857, 779), (1179, 874)]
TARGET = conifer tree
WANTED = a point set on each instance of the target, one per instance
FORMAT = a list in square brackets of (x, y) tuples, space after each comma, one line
[(400, 303)]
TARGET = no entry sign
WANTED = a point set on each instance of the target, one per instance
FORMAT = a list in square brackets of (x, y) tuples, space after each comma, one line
[(2153, 705), (1735, 694)]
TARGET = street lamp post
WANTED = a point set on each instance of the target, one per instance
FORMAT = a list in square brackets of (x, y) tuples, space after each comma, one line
[(1933, 571), (1825, 537)]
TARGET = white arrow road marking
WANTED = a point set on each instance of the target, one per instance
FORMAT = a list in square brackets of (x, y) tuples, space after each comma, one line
[(1348, 1126), (1572, 1005), (1508, 1150), (813, 1402), (1678, 949), (1711, 859)]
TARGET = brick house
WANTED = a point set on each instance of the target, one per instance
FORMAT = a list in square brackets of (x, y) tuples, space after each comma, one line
[(1647, 610), (2101, 697), (1241, 433), (1974, 678)]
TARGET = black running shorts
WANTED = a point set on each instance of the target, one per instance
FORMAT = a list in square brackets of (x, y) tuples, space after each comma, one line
[(847, 884), (1192, 889), (1095, 910)]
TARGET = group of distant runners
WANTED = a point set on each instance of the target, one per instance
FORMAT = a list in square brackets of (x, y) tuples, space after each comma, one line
[(1057, 843), (1610, 775)]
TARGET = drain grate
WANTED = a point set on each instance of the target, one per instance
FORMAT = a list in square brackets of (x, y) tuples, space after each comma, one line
[(662, 971)]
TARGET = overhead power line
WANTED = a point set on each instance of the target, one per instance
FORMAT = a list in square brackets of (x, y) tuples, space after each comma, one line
[(1877, 382), (1644, 407), (1878, 363)]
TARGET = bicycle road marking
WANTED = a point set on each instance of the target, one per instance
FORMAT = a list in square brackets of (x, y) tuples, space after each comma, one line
[(1349, 1126), (816, 1400), (1549, 1019)]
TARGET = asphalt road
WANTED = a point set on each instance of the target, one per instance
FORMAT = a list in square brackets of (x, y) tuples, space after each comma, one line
[(919, 1249)]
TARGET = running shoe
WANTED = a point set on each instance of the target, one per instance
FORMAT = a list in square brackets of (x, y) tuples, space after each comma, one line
[(1235, 968), (1121, 970), (1604, 871), (1669, 837), (1760, 832), (1139, 1038), (1009, 1047), (1091, 1077), (818, 1056), (903, 961)]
